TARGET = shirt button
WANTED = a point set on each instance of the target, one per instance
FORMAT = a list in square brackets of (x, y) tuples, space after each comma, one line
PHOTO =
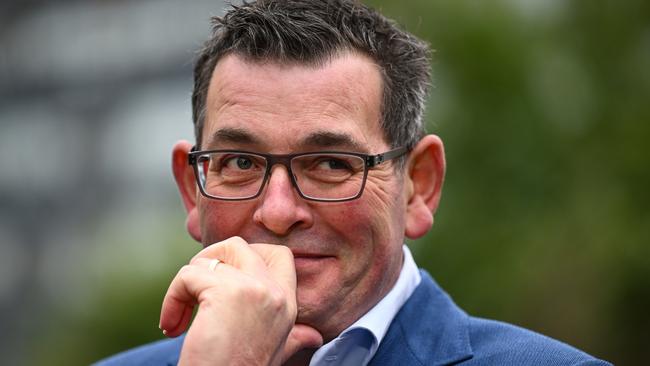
[(330, 358)]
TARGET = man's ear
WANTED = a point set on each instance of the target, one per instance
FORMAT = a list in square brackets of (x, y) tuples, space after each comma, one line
[(184, 175), (425, 172)]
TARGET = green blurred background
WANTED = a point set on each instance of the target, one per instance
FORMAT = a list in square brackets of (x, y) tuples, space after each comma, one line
[(545, 218)]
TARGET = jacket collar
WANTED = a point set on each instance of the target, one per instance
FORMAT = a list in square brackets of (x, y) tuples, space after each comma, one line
[(429, 330)]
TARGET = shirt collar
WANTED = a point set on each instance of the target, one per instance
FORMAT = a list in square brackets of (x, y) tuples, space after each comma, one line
[(370, 329)]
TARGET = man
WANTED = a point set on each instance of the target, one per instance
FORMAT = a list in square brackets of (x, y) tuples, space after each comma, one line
[(310, 169)]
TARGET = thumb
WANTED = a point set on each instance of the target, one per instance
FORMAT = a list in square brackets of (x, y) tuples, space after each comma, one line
[(301, 336)]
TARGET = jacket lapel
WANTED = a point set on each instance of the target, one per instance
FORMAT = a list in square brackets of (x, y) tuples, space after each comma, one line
[(429, 330)]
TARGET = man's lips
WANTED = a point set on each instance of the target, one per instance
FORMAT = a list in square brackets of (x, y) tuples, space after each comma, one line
[(311, 262), (309, 255)]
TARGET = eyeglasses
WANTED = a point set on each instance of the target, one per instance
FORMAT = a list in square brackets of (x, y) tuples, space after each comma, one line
[(327, 176)]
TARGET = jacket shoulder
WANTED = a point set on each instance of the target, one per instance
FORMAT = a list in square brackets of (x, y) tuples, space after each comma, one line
[(431, 329), (163, 352), (494, 342)]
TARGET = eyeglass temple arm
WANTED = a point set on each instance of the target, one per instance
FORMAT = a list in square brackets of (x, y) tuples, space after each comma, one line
[(191, 159), (380, 158)]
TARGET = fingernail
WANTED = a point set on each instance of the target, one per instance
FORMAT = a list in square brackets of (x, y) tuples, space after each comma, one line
[(159, 326), (164, 332)]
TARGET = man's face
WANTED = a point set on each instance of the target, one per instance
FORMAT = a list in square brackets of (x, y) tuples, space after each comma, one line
[(347, 254)]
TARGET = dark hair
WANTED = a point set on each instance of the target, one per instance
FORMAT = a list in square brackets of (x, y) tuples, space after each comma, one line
[(312, 32)]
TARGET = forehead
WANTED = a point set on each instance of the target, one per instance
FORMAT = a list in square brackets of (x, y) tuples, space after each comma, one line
[(287, 107)]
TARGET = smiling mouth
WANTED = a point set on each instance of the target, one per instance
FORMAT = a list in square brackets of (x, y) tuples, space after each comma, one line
[(307, 262), (310, 257)]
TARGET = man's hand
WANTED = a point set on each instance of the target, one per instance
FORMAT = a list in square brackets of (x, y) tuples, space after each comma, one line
[(246, 306)]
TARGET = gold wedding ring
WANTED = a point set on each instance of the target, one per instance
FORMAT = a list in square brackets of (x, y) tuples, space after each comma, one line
[(213, 264)]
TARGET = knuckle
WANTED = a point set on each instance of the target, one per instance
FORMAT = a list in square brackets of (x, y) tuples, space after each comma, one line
[(284, 251), (269, 297), (231, 246), (254, 291), (278, 300), (209, 296), (235, 241), (186, 270), (238, 239), (196, 257)]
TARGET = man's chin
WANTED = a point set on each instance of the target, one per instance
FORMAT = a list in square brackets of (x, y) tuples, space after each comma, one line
[(312, 308)]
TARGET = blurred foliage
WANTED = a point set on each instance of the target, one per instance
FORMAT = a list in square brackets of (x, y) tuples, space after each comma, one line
[(544, 222), (126, 278)]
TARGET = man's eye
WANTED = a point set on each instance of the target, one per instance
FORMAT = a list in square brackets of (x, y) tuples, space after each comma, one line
[(332, 164), (239, 162)]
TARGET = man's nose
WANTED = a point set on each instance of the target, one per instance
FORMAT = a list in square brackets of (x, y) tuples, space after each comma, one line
[(281, 209)]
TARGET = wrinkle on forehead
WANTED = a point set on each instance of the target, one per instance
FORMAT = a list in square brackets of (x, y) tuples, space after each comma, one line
[(344, 88)]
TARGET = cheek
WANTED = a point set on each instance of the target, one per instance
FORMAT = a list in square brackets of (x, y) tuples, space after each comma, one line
[(222, 220), (386, 210), (366, 228), (349, 219), (370, 240)]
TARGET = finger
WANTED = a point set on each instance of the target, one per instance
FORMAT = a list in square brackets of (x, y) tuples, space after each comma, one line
[(188, 287), (301, 336), (181, 295), (279, 262), (236, 252), (182, 324), (210, 264)]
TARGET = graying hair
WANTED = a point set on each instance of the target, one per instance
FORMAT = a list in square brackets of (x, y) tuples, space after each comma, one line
[(311, 32)]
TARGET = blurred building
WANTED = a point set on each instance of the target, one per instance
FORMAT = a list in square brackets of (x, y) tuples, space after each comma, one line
[(92, 96)]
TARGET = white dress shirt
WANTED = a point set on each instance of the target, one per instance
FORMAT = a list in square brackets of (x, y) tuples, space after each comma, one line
[(358, 343)]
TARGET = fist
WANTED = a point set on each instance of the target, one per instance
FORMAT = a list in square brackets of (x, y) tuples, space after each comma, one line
[(246, 306)]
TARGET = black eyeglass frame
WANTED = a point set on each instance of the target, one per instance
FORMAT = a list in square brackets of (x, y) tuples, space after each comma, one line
[(371, 161)]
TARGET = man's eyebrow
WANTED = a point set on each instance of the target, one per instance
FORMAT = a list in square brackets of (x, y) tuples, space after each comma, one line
[(232, 135), (328, 139)]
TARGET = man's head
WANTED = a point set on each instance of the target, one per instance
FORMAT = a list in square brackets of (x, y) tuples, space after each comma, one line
[(309, 32), (286, 77)]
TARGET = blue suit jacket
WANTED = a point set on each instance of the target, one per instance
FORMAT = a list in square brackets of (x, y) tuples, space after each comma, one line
[(429, 330)]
